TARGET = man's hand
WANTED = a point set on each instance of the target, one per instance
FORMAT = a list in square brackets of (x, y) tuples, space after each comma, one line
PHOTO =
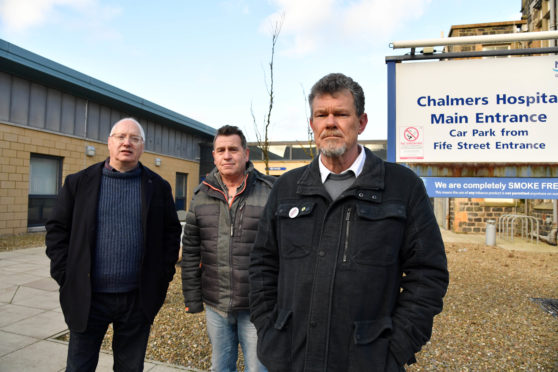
[(193, 309)]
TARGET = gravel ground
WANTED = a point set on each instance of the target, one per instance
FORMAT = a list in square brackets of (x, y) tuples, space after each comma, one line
[(19, 241), (489, 322)]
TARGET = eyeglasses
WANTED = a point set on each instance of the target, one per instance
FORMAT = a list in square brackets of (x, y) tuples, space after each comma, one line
[(134, 140)]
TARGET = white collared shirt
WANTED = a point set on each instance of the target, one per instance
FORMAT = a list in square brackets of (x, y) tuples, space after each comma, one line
[(356, 167)]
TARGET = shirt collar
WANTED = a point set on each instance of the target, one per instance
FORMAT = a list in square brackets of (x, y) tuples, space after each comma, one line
[(356, 167)]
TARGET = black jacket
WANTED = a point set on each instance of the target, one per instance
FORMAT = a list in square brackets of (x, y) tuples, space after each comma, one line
[(71, 241), (326, 276)]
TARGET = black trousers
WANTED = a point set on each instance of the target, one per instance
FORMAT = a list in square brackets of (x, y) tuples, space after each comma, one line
[(131, 332)]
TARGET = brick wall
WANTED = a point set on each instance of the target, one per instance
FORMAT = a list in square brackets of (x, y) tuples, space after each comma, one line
[(469, 215), (18, 143), (543, 213), (492, 28)]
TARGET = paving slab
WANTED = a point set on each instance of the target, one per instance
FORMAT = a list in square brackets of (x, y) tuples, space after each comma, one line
[(4, 263), (40, 326), (10, 314), (42, 271), (44, 284), (7, 293), (9, 279), (10, 342), (42, 356), (31, 297), (21, 267)]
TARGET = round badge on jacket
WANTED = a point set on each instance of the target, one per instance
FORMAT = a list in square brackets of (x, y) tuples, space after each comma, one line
[(293, 212)]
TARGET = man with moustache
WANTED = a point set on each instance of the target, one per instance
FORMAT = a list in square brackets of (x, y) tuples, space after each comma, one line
[(348, 269), (113, 241)]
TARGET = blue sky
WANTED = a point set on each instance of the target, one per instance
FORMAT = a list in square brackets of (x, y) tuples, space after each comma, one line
[(209, 59)]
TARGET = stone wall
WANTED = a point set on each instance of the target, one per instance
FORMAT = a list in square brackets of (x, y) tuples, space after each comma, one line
[(468, 215), (472, 215), (543, 213)]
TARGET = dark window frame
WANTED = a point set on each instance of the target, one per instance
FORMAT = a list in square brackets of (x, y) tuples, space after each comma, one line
[(43, 201), (180, 202)]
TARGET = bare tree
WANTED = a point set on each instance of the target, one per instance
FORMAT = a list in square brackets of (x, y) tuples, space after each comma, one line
[(263, 139), (307, 147)]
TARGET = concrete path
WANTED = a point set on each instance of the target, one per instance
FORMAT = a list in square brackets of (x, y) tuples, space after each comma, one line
[(515, 244), (31, 318)]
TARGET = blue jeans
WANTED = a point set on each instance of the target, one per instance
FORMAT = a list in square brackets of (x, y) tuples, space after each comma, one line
[(225, 334), (129, 341)]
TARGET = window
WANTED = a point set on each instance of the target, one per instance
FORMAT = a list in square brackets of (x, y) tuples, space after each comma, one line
[(44, 183), (496, 47), (180, 191)]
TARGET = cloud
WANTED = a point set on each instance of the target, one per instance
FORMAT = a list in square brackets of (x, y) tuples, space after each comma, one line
[(312, 24), (21, 15), (370, 17), (302, 22)]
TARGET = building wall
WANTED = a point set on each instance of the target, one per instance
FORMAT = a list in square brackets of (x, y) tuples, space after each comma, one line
[(543, 213), (279, 167), (285, 155), (537, 14), (479, 29), (36, 105), (17, 143), (470, 215)]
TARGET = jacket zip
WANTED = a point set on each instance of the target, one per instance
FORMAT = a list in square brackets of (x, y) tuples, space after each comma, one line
[(347, 229), (232, 221), (239, 219)]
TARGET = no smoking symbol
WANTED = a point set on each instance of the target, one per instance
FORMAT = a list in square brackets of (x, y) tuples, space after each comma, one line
[(411, 134)]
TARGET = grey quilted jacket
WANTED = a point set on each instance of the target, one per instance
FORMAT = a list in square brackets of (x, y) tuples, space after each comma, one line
[(217, 242)]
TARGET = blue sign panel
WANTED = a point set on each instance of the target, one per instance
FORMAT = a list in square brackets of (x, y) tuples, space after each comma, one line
[(481, 187)]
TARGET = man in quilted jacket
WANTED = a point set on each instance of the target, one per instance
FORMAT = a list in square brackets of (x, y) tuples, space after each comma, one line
[(220, 229)]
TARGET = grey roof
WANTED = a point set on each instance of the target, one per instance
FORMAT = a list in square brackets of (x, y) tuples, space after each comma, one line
[(21, 62)]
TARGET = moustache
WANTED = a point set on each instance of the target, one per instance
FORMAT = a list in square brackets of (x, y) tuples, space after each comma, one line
[(331, 133)]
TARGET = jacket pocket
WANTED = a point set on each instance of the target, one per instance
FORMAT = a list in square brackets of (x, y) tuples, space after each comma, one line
[(274, 340), (377, 233), (296, 228), (282, 318), (247, 225), (370, 347)]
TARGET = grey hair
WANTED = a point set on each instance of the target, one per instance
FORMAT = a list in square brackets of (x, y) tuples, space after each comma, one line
[(142, 133), (334, 83)]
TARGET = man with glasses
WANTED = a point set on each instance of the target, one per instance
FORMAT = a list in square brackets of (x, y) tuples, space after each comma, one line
[(113, 241)]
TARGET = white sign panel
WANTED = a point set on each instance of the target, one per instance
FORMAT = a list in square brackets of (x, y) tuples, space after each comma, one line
[(481, 110)]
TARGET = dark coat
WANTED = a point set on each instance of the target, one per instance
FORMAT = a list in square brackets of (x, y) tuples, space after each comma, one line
[(71, 241), (348, 285), (217, 242)]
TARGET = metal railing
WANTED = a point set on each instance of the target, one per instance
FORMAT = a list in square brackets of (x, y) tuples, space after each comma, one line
[(510, 225)]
